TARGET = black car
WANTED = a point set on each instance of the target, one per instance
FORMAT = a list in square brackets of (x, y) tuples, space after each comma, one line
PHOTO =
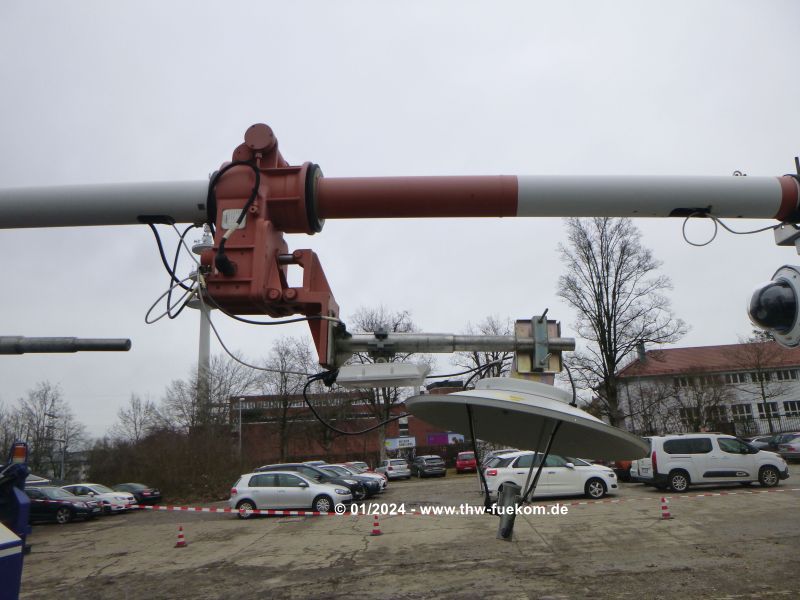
[(371, 485), (356, 488), (54, 504), (143, 494), (428, 466)]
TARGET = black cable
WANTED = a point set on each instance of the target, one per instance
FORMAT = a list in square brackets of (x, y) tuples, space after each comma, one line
[(478, 372), (210, 300), (174, 279), (319, 376), (494, 362), (221, 261), (572, 382), (172, 273)]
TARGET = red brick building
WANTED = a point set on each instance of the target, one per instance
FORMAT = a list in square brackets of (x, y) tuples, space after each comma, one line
[(283, 428)]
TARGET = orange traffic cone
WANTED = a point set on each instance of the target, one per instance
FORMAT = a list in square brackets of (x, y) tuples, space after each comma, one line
[(376, 529), (181, 543), (665, 509)]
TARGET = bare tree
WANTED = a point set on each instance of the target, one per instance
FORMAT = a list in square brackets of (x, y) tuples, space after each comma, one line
[(610, 281), (291, 358), (701, 404), (381, 400), (759, 359), (135, 420), (10, 427), (646, 406), (181, 409), (45, 420), (491, 325)]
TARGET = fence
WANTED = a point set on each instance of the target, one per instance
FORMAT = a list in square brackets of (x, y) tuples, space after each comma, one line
[(764, 426)]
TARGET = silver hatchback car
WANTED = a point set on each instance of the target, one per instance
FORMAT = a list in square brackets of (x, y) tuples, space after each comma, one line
[(285, 490), (395, 468)]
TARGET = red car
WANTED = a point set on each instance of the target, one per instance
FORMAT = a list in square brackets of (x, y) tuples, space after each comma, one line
[(465, 462)]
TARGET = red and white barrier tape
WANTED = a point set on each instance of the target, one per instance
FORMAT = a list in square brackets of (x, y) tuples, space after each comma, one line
[(313, 513)]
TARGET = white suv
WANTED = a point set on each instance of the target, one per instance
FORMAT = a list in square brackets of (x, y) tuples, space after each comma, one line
[(677, 461), (561, 476)]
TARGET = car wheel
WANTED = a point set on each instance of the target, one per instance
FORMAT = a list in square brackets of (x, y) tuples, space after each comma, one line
[(322, 504), (679, 481), (63, 515), (243, 507), (595, 488), (768, 477)]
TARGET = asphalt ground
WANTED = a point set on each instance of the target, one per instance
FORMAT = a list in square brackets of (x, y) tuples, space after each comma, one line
[(722, 542)]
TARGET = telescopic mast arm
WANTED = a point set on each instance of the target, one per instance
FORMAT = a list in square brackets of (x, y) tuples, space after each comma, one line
[(258, 197)]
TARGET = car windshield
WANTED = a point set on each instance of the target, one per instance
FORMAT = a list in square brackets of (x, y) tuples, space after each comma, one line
[(433, 461), (466, 456), (356, 469), (101, 489), (398, 463), (347, 470), (57, 494)]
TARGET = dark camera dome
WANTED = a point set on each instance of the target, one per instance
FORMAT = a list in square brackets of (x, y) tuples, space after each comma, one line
[(773, 306)]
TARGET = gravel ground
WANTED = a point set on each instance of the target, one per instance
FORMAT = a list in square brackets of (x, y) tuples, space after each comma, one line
[(723, 542)]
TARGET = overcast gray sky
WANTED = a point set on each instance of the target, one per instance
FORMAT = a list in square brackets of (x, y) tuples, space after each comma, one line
[(155, 91)]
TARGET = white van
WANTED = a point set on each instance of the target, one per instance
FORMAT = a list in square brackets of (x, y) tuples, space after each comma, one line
[(678, 461)]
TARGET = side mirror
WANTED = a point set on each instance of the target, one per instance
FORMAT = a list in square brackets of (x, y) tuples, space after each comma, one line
[(570, 465), (303, 484)]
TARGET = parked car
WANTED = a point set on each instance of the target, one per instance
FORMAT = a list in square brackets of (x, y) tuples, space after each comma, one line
[(360, 464), (372, 486), (378, 478), (622, 469), (561, 475), (357, 489), (394, 468), (32, 480), (429, 465), (54, 504), (772, 441), (143, 493), (285, 490), (110, 501), (466, 463), (790, 449), (496, 453), (678, 461)]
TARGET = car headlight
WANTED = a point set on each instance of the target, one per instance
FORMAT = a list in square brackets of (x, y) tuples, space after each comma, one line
[(350, 482), (342, 492)]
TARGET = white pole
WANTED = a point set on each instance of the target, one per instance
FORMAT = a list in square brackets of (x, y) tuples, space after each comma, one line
[(104, 204)]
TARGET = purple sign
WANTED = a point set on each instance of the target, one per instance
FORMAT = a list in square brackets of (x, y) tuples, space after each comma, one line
[(437, 439)]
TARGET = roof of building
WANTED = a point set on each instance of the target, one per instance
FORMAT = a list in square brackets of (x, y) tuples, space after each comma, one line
[(713, 359)]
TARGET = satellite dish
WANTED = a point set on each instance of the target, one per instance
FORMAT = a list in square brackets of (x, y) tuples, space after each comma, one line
[(522, 413)]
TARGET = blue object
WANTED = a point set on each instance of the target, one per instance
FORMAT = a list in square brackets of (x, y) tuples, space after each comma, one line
[(14, 526)]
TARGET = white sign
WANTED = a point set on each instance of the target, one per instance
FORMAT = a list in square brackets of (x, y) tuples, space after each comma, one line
[(399, 443)]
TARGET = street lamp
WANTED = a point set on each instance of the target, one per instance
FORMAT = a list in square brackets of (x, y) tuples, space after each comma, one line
[(50, 427), (204, 342), (240, 430)]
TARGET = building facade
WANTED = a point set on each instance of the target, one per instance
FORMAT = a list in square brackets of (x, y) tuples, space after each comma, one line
[(742, 389), (283, 428)]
